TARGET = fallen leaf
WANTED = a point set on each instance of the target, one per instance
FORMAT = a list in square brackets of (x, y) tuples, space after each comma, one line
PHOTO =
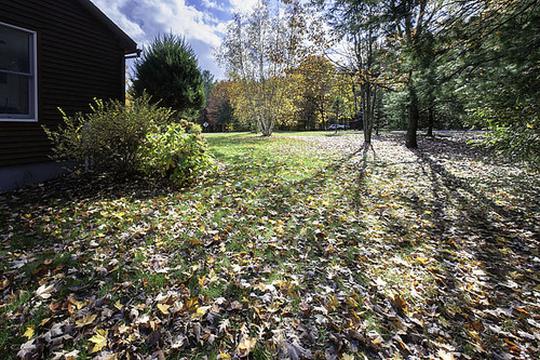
[(4, 284), (445, 355), (163, 308), (201, 311), (99, 340), (29, 333), (399, 303), (118, 305), (45, 291), (86, 320), (246, 346), (72, 355)]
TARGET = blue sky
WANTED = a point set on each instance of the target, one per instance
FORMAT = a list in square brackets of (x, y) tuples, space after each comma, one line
[(202, 22)]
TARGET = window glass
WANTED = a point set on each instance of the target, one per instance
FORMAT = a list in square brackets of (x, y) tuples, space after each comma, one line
[(15, 50), (14, 94), (17, 75)]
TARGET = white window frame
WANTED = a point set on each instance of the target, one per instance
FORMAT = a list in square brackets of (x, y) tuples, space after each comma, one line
[(33, 92)]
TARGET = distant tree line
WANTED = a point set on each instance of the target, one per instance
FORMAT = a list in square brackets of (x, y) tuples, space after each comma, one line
[(393, 64)]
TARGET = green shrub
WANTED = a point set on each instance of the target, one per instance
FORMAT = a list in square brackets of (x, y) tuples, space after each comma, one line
[(110, 137), (513, 132), (179, 153)]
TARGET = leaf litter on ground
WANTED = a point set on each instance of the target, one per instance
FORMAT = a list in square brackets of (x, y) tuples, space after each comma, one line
[(286, 253)]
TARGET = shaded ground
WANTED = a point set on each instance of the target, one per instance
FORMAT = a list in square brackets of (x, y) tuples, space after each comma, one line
[(285, 253)]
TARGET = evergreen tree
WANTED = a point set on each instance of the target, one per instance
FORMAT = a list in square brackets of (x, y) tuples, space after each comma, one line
[(168, 71)]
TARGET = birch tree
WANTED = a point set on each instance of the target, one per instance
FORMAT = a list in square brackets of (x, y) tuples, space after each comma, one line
[(257, 50)]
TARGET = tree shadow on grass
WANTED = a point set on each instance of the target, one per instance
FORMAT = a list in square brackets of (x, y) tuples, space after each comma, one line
[(484, 252), (500, 239)]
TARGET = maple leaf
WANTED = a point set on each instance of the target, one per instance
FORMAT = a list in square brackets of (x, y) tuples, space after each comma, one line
[(399, 303), (99, 340), (224, 325), (29, 333), (4, 284), (45, 291), (118, 305), (74, 304)]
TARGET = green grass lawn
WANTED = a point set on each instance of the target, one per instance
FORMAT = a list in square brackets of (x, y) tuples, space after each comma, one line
[(283, 251)]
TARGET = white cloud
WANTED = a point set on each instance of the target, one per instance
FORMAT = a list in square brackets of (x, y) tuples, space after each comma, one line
[(213, 5), (243, 6), (113, 11), (144, 19)]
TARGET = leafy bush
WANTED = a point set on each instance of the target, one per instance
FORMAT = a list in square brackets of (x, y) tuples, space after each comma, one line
[(109, 138), (178, 153), (136, 138), (513, 132)]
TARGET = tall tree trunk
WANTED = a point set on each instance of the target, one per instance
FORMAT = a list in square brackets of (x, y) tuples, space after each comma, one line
[(414, 115), (368, 115), (378, 121), (431, 120)]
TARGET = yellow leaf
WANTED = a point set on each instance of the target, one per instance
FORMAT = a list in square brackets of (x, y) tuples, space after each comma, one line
[(201, 311), (347, 357), (118, 305), (191, 303), (86, 320), (78, 304), (29, 333), (333, 303), (224, 356), (377, 341), (246, 346), (4, 284), (163, 308), (99, 340), (422, 260)]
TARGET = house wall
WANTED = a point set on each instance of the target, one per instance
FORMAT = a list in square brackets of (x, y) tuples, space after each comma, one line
[(78, 60)]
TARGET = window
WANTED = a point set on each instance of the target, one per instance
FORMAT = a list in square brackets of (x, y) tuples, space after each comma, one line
[(18, 80)]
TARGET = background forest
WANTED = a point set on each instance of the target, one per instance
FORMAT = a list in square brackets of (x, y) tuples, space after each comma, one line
[(384, 64)]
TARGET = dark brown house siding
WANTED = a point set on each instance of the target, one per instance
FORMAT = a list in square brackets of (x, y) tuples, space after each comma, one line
[(78, 58)]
